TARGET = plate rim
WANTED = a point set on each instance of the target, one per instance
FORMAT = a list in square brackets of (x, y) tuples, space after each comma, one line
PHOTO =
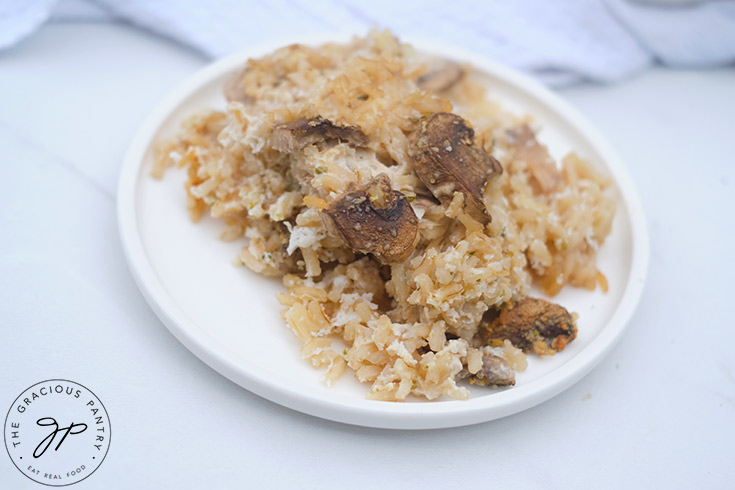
[(371, 413)]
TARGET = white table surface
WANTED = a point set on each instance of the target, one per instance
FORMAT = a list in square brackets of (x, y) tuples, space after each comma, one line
[(659, 412)]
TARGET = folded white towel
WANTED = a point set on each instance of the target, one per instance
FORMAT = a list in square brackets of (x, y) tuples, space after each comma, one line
[(19, 18), (558, 42)]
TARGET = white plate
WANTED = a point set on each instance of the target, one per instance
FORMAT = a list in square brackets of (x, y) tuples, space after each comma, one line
[(229, 318)]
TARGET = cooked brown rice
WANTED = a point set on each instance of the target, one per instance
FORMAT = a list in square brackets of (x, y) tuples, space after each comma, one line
[(406, 328)]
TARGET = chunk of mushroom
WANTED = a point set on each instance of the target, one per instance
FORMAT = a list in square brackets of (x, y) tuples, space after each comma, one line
[(527, 148), (447, 160), (533, 325), (302, 132), (374, 219), (441, 78), (495, 371), (234, 90)]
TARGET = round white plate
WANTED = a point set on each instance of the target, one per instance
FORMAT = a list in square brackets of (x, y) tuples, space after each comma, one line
[(228, 316)]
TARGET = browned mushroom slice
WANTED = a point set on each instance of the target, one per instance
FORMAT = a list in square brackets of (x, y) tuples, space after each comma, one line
[(495, 371), (374, 219), (533, 325), (235, 89), (542, 167), (302, 132), (441, 78), (446, 160)]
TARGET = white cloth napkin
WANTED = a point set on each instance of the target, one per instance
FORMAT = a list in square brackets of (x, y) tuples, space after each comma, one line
[(558, 42)]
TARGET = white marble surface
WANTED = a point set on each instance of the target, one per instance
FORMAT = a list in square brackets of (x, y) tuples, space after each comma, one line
[(659, 412)]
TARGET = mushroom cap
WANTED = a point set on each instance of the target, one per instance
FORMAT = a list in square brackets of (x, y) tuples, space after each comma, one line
[(447, 160), (234, 90), (533, 325), (375, 219), (527, 148), (303, 131), (441, 77), (495, 372)]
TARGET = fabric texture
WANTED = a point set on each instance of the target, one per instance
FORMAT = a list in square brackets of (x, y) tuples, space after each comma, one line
[(560, 43)]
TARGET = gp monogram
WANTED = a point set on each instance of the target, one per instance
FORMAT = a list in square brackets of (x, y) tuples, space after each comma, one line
[(57, 432)]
